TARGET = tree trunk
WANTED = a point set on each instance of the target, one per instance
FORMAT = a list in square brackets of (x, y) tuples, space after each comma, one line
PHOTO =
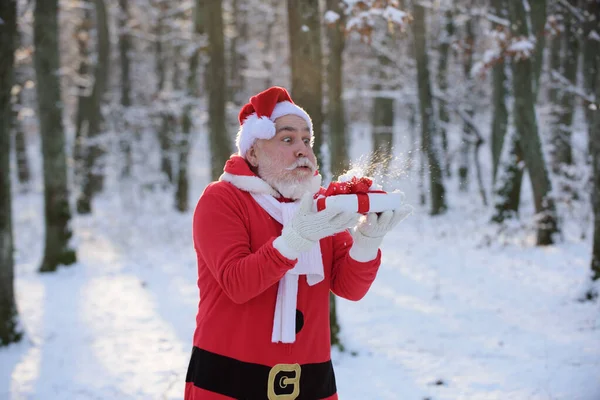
[(307, 62), (507, 189), (562, 153), (220, 142), (592, 65), (507, 186), (442, 78), (591, 32), (594, 143), (124, 49), (183, 147), (125, 139), (10, 331), (167, 123), (338, 140), (382, 120), (93, 180), (84, 88), (267, 59), (554, 92), (467, 134), (159, 58), (166, 132), (428, 122), (527, 131), (538, 22), (233, 67), (23, 170), (50, 107), (178, 83), (238, 63), (594, 140), (499, 94), (177, 76), (382, 134)]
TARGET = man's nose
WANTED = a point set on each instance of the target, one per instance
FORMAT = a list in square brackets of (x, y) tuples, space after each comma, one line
[(300, 151)]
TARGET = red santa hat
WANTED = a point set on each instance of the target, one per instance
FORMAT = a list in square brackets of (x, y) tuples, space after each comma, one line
[(257, 118)]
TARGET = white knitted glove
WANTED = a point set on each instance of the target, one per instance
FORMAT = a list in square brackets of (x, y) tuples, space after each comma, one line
[(308, 227), (369, 233)]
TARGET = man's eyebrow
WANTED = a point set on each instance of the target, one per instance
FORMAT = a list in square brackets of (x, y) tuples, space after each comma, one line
[(287, 128)]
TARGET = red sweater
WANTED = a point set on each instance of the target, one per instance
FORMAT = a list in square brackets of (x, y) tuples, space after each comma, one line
[(238, 273)]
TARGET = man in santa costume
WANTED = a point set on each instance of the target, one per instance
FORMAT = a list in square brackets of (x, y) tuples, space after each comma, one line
[(267, 262)]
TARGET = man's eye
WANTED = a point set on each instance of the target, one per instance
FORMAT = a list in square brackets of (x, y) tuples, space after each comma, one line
[(287, 139), (307, 141)]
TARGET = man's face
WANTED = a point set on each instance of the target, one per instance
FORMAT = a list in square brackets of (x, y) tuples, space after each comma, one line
[(286, 161)]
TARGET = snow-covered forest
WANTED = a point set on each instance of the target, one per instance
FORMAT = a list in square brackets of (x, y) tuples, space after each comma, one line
[(115, 115)]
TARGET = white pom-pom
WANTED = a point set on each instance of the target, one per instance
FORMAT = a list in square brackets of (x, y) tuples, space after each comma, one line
[(252, 129), (262, 128)]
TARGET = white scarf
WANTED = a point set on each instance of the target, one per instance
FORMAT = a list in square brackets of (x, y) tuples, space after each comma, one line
[(310, 263)]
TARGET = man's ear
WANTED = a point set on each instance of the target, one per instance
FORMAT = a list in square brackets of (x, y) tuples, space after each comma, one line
[(251, 155)]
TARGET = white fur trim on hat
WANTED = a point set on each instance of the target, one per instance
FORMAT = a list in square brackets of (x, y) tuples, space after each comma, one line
[(287, 108), (255, 128)]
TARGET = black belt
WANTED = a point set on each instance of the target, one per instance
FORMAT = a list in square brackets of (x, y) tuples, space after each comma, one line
[(249, 381)]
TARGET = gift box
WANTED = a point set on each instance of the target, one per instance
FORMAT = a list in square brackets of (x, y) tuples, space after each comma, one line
[(358, 195)]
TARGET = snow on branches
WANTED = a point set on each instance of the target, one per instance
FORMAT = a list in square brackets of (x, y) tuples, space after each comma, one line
[(361, 16), (502, 44)]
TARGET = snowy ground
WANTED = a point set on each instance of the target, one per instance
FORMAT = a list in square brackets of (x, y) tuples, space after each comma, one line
[(450, 316)]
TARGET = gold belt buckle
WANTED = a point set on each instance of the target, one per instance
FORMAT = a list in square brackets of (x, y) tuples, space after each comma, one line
[(283, 381)]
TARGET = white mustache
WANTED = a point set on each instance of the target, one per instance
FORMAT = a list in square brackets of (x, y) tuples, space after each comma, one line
[(302, 162)]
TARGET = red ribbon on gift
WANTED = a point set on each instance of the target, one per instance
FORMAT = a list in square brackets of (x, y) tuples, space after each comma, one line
[(358, 186)]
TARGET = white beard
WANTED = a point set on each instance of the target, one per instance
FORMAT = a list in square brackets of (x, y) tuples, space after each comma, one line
[(282, 179), (289, 187), (295, 189)]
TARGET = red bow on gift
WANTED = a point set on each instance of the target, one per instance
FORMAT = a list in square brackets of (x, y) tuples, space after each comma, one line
[(358, 186), (353, 186)]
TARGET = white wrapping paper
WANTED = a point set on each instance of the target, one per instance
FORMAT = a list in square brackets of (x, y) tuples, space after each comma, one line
[(378, 202)]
